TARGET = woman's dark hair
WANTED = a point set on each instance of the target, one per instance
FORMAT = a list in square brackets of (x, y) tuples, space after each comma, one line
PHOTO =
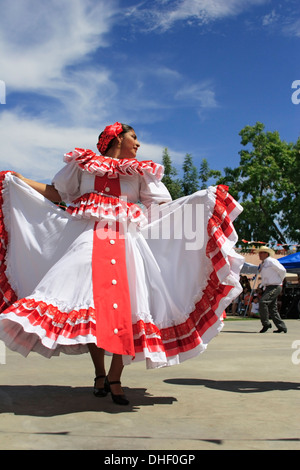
[(126, 129)]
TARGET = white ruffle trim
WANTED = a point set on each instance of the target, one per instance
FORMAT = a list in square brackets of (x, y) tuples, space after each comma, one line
[(100, 207), (99, 165)]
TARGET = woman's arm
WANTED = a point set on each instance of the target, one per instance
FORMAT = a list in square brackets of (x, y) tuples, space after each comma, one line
[(46, 190)]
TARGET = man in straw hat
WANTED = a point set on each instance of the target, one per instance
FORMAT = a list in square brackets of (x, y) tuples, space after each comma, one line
[(272, 274)]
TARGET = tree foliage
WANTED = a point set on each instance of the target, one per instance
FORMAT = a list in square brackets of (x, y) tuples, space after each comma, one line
[(192, 179), (205, 173), (170, 179), (267, 184)]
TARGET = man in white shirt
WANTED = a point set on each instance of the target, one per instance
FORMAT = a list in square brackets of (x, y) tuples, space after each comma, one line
[(272, 274)]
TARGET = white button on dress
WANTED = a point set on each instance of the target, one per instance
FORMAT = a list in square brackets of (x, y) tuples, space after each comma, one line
[(112, 242), (114, 282), (113, 261), (115, 306), (107, 189), (116, 331)]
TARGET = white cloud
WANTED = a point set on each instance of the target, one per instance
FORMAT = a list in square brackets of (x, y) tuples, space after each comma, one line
[(155, 151), (36, 148), (270, 18), (39, 40), (46, 49), (292, 28), (62, 96), (163, 90), (283, 19), (198, 95), (77, 97)]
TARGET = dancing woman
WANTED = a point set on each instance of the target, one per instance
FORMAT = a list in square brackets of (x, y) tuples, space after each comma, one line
[(117, 273)]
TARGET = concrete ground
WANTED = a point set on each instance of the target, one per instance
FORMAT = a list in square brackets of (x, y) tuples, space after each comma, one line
[(242, 393)]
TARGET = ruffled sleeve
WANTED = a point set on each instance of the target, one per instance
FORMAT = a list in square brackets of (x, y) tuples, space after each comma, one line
[(153, 191), (67, 182), (87, 160)]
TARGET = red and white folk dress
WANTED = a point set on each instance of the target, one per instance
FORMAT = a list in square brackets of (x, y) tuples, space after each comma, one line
[(117, 268)]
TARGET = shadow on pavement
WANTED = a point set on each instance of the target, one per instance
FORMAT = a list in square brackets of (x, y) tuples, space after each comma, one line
[(50, 400), (237, 386)]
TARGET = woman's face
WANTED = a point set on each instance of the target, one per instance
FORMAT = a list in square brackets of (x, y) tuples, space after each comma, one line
[(129, 145)]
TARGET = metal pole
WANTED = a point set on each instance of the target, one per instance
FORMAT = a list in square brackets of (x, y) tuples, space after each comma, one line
[(255, 280)]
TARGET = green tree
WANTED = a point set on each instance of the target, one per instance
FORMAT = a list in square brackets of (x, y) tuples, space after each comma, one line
[(190, 180), (205, 173), (267, 183), (290, 201), (170, 179)]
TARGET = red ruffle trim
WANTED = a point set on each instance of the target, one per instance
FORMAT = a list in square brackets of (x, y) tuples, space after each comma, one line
[(104, 207), (54, 322), (220, 226), (57, 324), (186, 336), (99, 165)]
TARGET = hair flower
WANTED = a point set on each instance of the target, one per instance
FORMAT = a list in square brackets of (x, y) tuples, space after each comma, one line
[(109, 133)]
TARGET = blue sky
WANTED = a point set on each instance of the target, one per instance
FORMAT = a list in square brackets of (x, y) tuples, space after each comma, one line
[(186, 74)]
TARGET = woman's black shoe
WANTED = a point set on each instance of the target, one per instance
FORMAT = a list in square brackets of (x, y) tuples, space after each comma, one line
[(99, 392), (118, 399)]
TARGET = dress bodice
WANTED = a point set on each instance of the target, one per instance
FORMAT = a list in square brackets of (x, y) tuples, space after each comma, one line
[(140, 182)]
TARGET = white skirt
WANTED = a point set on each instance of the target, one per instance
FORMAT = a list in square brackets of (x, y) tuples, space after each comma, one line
[(181, 268)]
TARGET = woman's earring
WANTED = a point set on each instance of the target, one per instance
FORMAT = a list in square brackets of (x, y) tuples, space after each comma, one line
[(119, 143)]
